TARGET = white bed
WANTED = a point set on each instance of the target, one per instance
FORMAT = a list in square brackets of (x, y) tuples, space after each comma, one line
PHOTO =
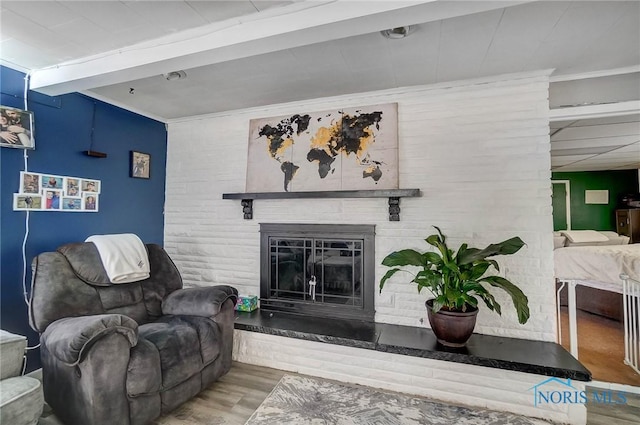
[(597, 267)]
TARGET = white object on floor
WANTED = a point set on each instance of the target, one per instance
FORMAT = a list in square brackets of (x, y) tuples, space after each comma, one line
[(123, 256)]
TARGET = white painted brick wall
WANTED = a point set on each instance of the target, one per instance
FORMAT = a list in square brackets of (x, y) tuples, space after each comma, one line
[(450, 382), (478, 150)]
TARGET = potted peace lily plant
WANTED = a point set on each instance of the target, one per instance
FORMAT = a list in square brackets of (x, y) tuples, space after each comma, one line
[(455, 280)]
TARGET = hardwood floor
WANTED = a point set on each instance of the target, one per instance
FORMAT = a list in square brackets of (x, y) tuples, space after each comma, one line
[(234, 398), (600, 347), (627, 414), (229, 401)]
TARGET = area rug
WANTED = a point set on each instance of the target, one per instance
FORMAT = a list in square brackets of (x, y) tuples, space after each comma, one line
[(304, 400)]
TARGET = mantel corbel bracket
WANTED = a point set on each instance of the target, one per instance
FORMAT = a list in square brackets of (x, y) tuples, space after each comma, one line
[(394, 208), (247, 208)]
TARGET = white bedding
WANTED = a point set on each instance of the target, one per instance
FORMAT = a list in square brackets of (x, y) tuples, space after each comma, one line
[(598, 266)]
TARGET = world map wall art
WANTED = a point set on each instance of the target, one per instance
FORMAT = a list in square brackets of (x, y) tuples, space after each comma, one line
[(346, 149)]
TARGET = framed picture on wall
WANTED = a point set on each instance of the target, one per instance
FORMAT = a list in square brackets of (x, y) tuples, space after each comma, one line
[(71, 203), (90, 201), (51, 182), (91, 185), (52, 199), (16, 128), (29, 182), (71, 186), (140, 164), (26, 202)]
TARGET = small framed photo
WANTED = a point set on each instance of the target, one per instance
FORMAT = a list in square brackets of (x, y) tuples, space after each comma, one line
[(16, 128), (29, 182), (51, 182), (71, 204), (140, 164), (91, 185), (89, 201), (27, 201), (71, 186), (52, 199)]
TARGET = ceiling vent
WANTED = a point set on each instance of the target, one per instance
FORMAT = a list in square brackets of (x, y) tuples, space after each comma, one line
[(175, 75), (398, 32)]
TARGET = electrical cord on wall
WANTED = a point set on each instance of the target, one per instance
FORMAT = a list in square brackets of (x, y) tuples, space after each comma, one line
[(25, 292)]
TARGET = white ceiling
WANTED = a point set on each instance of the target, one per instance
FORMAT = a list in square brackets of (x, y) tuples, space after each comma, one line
[(240, 54), (596, 144)]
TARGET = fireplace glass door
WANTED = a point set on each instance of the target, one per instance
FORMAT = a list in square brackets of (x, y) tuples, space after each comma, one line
[(316, 270), (322, 270)]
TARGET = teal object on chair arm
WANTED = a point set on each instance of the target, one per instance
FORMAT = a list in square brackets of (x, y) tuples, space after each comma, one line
[(125, 353)]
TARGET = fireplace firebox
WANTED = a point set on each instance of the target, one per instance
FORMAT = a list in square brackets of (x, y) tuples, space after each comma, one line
[(324, 270)]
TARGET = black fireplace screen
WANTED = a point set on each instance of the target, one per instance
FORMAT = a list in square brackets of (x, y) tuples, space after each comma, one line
[(320, 272)]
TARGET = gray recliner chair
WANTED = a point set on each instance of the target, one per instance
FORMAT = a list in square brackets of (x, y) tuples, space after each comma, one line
[(125, 353)]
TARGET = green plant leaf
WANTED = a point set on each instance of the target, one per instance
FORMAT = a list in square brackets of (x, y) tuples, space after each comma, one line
[(439, 241), (438, 303), (470, 300), (433, 240), (491, 303), (433, 258), (387, 276), (510, 246), (520, 300), (429, 280), (479, 269), (494, 263), (473, 286), (443, 238), (451, 265), (405, 257), (463, 256), (432, 276), (461, 250)]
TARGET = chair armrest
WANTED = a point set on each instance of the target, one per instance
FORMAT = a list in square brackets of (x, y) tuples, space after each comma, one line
[(70, 339), (205, 301)]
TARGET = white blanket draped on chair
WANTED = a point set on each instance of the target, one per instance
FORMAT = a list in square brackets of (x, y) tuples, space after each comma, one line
[(123, 256)]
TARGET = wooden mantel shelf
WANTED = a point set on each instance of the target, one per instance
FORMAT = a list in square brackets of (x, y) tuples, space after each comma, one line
[(393, 195)]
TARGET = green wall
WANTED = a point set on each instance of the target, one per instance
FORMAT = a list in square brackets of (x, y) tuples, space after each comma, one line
[(594, 216)]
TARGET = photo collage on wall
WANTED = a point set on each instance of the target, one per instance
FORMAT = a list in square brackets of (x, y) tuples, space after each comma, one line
[(49, 192)]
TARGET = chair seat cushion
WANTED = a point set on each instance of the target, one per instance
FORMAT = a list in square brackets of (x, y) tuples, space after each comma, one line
[(21, 400), (180, 346)]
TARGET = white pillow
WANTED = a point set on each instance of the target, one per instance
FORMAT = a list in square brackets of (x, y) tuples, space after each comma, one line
[(581, 236), (559, 241), (609, 234)]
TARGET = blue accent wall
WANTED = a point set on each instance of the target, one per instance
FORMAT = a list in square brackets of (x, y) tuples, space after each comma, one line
[(62, 128)]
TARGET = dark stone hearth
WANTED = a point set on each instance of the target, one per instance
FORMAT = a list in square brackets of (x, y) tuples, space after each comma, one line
[(520, 355)]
